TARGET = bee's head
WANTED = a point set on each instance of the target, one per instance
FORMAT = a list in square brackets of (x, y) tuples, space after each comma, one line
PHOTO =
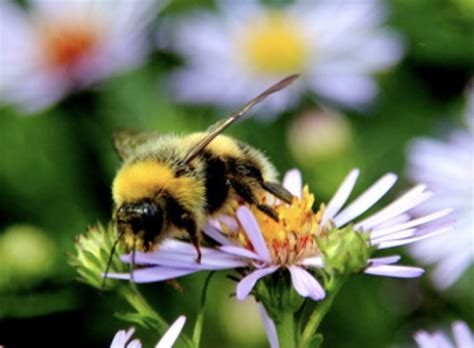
[(139, 223)]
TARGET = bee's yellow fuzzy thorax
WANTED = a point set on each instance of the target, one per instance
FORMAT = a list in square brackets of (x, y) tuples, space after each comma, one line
[(140, 180), (146, 179)]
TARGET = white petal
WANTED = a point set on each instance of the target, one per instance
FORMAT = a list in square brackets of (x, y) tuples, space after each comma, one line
[(397, 207), (394, 271), (366, 199), (305, 284), (121, 338), (248, 282), (315, 261), (172, 334), (135, 344), (353, 90), (385, 260), (152, 274), (399, 235), (426, 233), (270, 328), (212, 259), (340, 197), (215, 234), (293, 182), (449, 269), (416, 222), (251, 228), (435, 340), (238, 251), (462, 335)]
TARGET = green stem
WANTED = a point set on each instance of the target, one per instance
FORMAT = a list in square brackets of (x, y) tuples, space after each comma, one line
[(285, 326), (200, 317), (319, 312)]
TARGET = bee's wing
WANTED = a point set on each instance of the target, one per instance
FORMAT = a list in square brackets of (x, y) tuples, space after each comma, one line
[(126, 141), (220, 126)]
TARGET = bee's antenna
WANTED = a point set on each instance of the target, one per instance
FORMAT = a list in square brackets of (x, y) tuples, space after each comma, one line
[(109, 260)]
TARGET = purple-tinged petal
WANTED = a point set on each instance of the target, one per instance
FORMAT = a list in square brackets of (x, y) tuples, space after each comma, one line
[(251, 228), (423, 234), (402, 204), (366, 200), (423, 339), (434, 340), (121, 338), (270, 328), (340, 197), (394, 271), (153, 274), (305, 284), (179, 246), (393, 236), (392, 222), (413, 223), (209, 261), (293, 182), (172, 333), (248, 282), (238, 251), (440, 340), (216, 235), (462, 335), (134, 344), (384, 260), (315, 261)]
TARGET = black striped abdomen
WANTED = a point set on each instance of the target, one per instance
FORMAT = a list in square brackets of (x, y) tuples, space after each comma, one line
[(217, 187)]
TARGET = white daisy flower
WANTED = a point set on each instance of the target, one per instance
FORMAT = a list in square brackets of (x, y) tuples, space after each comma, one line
[(264, 246), (291, 242), (122, 337), (463, 338), (55, 46), (335, 45), (447, 167)]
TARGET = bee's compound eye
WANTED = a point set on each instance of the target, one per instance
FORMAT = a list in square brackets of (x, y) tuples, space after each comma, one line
[(148, 210)]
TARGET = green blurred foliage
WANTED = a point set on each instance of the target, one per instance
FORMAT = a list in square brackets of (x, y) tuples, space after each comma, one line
[(56, 168)]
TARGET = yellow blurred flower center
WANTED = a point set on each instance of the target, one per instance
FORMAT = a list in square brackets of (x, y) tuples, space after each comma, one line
[(274, 45), (67, 43), (293, 237)]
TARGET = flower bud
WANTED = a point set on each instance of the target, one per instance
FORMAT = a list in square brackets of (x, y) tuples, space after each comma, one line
[(344, 251), (94, 249)]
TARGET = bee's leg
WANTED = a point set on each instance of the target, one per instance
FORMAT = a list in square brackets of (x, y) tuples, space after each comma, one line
[(197, 245), (276, 189), (247, 195), (182, 218), (189, 225)]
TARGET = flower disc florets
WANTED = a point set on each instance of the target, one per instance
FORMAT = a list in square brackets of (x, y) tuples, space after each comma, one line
[(293, 236)]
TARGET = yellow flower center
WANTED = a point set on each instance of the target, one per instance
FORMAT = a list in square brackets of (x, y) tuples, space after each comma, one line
[(275, 44), (293, 237), (66, 43)]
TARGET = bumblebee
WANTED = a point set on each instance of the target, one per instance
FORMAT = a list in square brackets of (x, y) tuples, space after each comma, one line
[(171, 184)]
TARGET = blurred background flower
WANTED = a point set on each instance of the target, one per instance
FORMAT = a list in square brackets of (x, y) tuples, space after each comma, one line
[(243, 46), (462, 337), (447, 167), (55, 47)]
